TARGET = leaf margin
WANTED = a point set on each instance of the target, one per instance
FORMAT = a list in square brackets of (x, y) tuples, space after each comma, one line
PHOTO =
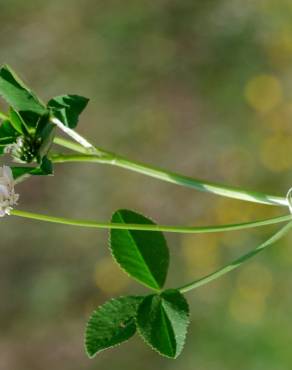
[(158, 288)]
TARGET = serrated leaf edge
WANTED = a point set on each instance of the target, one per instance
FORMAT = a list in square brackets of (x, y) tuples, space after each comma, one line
[(149, 344), (114, 345), (122, 268)]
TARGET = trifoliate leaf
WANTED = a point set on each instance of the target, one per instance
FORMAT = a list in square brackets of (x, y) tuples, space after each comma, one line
[(67, 108), (143, 255), (162, 321), (16, 94), (111, 324)]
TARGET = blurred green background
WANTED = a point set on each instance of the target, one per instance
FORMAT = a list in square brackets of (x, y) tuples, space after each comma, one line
[(198, 87)]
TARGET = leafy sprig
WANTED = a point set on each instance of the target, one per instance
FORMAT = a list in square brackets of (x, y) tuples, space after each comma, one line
[(161, 318), (28, 132)]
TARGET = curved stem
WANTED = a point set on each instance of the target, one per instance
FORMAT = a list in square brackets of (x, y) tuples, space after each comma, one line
[(164, 228), (237, 262), (172, 177)]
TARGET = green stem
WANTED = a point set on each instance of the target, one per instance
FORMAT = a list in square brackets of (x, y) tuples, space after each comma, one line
[(172, 177), (237, 262), (163, 228)]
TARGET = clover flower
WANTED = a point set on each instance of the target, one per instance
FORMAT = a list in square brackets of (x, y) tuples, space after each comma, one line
[(23, 150), (8, 198)]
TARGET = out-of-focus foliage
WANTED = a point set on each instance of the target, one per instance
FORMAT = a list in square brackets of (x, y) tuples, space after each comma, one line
[(203, 88)]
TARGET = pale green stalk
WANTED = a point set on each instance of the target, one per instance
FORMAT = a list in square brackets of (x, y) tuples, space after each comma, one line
[(172, 177), (237, 262), (163, 228)]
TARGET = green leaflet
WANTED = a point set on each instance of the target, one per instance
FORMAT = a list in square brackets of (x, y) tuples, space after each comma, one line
[(17, 122), (8, 134), (143, 255), (45, 133), (19, 172), (162, 321), (45, 168), (14, 91), (67, 108), (30, 118), (111, 324)]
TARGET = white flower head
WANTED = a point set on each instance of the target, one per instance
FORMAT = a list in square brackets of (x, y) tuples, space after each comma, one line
[(8, 198)]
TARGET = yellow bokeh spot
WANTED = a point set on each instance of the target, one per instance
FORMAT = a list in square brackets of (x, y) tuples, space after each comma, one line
[(201, 253), (227, 211), (109, 278), (253, 285), (246, 312), (279, 47), (254, 281), (263, 92), (279, 120), (275, 152)]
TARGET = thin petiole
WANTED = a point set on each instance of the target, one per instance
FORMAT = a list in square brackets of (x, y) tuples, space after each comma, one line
[(237, 262), (163, 228)]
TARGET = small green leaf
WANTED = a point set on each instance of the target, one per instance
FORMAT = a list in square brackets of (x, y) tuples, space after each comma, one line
[(8, 134), (44, 169), (19, 172), (32, 119), (14, 91), (143, 255), (163, 320), (7, 140), (67, 108), (17, 122), (45, 133), (111, 324)]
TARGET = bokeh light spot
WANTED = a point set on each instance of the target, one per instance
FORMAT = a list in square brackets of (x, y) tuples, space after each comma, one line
[(275, 152), (263, 92), (253, 285)]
